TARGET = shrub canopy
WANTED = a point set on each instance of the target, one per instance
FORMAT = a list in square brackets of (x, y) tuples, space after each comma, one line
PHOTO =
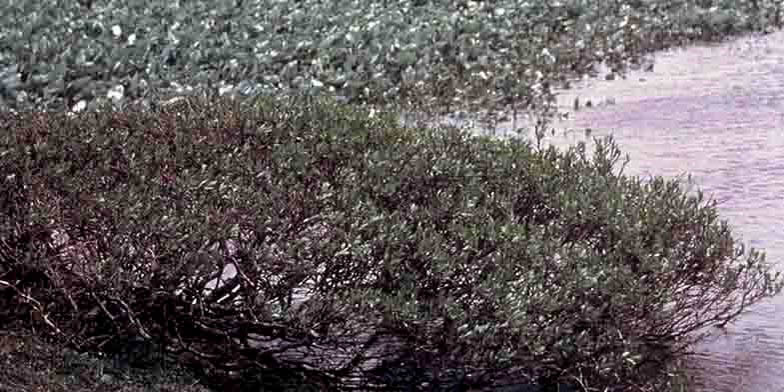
[(326, 245)]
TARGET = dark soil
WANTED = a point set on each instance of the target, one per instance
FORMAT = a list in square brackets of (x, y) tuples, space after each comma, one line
[(30, 363)]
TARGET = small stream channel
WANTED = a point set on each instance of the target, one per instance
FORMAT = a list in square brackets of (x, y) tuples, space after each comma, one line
[(716, 112)]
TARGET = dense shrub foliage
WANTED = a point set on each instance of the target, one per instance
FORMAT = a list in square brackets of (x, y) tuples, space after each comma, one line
[(437, 54), (305, 242)]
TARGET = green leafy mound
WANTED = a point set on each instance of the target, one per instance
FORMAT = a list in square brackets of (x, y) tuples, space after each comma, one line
[(365, 255), (470, 55)]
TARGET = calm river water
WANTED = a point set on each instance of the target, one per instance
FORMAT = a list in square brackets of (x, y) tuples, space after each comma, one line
[(716, 112)]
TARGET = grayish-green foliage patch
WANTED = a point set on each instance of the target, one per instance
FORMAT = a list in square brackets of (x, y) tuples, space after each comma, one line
[(438, 54)]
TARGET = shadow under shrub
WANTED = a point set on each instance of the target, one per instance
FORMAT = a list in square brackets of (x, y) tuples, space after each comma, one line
[(301, 242)]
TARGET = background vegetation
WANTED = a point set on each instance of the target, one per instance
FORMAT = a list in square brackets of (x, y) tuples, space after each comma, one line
[(365, 256), (434, 55)]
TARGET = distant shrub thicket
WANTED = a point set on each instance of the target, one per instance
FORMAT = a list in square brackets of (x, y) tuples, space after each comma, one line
[(310, 243), (434, 55)]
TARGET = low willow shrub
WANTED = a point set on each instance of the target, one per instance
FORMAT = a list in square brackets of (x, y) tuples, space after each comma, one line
[(300, 242)]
